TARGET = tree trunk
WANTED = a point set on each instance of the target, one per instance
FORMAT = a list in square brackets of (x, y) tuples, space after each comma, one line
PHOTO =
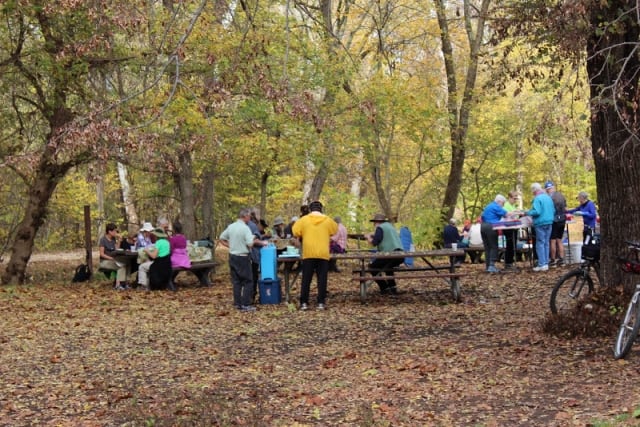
[(208, 193), (459, 116), (47, 177), (614, 127), (184, 179), (129, 205)]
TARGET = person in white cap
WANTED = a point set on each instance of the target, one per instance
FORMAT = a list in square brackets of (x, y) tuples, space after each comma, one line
[(144, 236)]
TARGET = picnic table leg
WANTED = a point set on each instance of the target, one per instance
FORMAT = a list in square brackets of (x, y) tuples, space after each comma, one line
[(455, 282), (203, 277), (363, 284)]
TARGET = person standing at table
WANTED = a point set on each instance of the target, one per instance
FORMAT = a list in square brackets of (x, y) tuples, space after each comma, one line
[(587, 210), (542, 211), (315, 230), (108, 245), (556, 248), (511, 236), (491, 215), (240, 240), (386, 239), (278, 228)]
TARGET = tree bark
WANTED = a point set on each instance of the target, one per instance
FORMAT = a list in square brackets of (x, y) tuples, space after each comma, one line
[(613, 66), (184, 179), (208, 194), (129, 205), (459, 116), (47, 177)]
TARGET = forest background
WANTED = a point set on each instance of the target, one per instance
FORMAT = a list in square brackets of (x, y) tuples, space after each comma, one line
[(191, 110)]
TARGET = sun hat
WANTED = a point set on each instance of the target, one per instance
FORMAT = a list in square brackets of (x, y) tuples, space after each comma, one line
[(147, 227), (294, 218), (278, 221), (159, 232), (378, 218), (548, 185)]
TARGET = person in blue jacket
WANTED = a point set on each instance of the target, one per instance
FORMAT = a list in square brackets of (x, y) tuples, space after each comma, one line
[(542, 211), (492, 214), (587, 210)]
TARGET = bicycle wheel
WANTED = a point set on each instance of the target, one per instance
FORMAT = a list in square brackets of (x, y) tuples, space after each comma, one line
[(568, 289), (628, 328)]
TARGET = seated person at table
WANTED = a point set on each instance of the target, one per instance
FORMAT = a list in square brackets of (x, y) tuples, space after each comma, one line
[(386, 239), (475, 241), (278, 228), (451, 235), (338, 244), (155, 274), (129, 241), (178, 243), (144, 236), (108, 245)]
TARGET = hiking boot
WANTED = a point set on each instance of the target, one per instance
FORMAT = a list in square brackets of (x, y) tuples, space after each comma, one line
[(492, 269), (510, 267), (553, 263), (560, 262)]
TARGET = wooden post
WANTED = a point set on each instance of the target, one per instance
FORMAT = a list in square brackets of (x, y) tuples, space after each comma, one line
[(87, 236)]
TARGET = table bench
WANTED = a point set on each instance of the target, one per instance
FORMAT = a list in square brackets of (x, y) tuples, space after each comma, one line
[(201, 269), (448, 273)]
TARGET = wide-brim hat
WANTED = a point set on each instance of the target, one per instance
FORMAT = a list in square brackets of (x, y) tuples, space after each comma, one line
[(278, 221), (147, 227), (378, 218), (159, 232)]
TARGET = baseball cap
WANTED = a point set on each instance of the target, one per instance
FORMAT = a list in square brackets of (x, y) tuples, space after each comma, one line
[(548, 184)]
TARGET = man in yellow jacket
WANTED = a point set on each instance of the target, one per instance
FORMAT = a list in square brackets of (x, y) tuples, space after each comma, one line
[(315, 231)]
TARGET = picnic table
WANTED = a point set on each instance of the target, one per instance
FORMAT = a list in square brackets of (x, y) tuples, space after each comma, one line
[(363, 274)]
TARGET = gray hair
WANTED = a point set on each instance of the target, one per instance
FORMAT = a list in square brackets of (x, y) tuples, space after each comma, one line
[(452, 221), (337, 219), (244, 212), (500, 199), (536, 186), (584, 195)]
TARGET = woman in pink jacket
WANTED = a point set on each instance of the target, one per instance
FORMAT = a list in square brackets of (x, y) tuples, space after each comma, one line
[(179, 253)]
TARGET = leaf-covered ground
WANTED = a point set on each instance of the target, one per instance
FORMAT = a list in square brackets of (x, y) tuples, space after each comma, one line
[(83, 354)]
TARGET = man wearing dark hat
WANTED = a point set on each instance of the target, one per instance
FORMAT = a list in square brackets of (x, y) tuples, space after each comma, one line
[(278, 227), (556, 249), (315, 230), (386, 239)]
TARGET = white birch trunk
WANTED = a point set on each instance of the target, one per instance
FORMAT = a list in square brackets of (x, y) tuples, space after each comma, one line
[(129, 206)]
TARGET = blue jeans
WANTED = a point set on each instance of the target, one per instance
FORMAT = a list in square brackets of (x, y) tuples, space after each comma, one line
[(543, 234)]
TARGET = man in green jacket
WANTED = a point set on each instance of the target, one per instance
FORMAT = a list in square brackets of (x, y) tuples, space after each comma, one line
[(386, 239)]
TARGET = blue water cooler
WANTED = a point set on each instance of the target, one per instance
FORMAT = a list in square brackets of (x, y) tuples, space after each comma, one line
[(269, 284), (268, 262)]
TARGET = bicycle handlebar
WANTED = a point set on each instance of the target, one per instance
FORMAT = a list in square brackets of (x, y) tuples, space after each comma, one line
[(634, 245)]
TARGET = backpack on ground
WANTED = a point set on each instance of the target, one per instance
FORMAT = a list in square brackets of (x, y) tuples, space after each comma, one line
[(82, 274)]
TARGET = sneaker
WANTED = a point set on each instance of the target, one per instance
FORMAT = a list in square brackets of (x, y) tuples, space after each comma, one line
[(304, 307), (321, 306), (492, 269), (560, 262), (541, 268), (510, 267), (119, 288), (553, 263), (248, 308)]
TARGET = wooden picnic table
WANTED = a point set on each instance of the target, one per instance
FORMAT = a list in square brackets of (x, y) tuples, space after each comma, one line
[(364, 274)]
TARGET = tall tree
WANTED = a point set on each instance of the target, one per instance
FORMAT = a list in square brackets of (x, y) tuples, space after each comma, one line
[(460, 103)]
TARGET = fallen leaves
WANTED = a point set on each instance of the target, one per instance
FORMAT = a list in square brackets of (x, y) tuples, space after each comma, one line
[(86, 355)]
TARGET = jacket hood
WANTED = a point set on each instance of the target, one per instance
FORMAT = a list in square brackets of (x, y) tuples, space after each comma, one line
[(317, 218)]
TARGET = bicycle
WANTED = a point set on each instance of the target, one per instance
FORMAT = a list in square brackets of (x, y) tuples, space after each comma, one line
[(577, 282), (631, 322)]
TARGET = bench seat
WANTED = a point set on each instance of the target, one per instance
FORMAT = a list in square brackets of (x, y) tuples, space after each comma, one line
[(200, 269)]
